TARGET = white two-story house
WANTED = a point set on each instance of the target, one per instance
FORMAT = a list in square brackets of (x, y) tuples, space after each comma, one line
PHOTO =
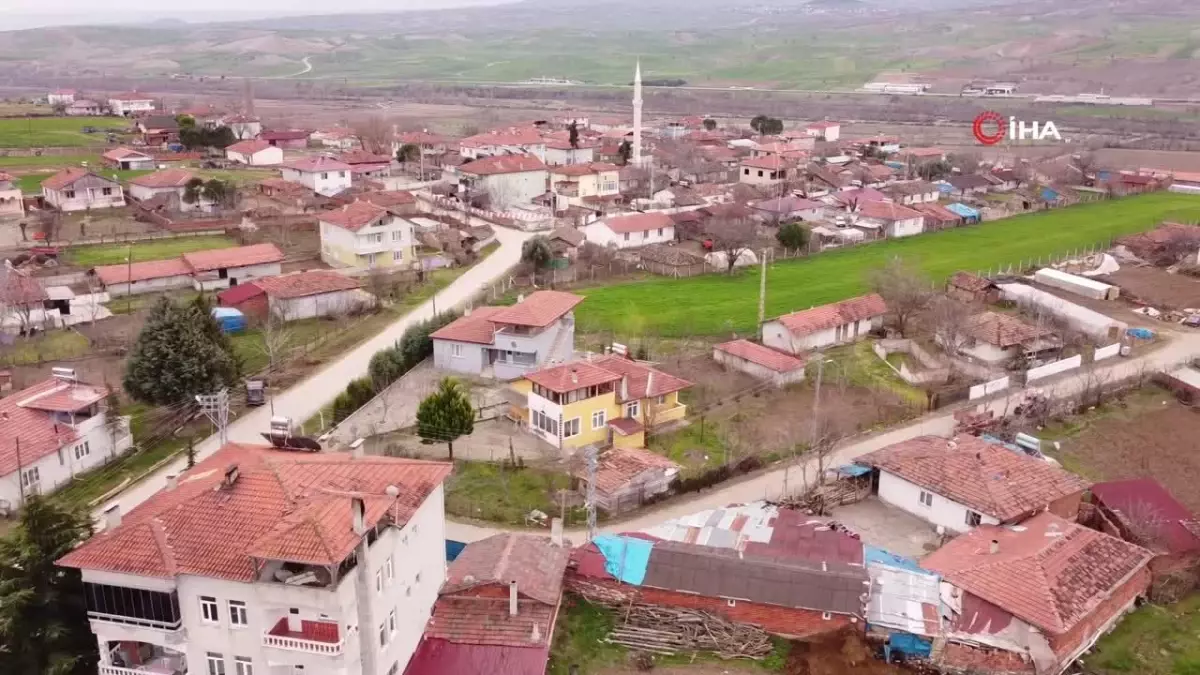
[(323, 175), (53, 431), (500, 142), (365, 235), (592, 185), (170, 184), (260, 561), (130, 104), (506, 180), (77, 189)]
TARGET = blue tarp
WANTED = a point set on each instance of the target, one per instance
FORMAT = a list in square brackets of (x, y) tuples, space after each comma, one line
[(911, 645), (1049, 195), (230, 320), (872, 554), (453, 548), (945, 188), (853, 470), (626, 558), (963, 210)]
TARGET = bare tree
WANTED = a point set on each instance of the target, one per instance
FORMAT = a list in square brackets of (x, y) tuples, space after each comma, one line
[(375, 135), (904, 288), (948, 320), (733, 237), (379, 284), (276, 338)]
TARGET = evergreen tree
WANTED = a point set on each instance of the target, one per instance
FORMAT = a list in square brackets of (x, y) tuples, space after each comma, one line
[(181, 352), (446, 414), (44, 627), (792, 236), (573, 134)]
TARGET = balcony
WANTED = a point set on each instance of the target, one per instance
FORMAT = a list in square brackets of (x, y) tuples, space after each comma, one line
[(148, 659), (313, 637)]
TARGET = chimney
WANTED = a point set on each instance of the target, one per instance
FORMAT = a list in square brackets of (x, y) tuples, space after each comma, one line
[(520, 298), (536, 636), (556, 531), (995, 547), (624, 388), (358, 512), (574, 376), (172, 481), (649, 383), (112, 517), (231, 476), (512, 598), (356, 448), (294, 625)]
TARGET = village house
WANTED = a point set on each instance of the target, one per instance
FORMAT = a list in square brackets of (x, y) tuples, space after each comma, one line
[(895, 220), (912, 192), (969, 184), (965, 482), (999, 339), (590, 185), (967, 287), (626, 478), (759, 362), (1004, 180), (628, 231), (310, 294), (125, 159), (365, 235), (76, 189), (202, 270), (565, 242), (768, 170), (158, 129), (12, 201), (826, 130), (244, 127), (826, 325), (508, 342), (52, 432), (170, 184), (919, 156), (61, 97), (431, 146), (83, 108), (323, 175), (560, 152), (506, 180), (254, 153), (606, 400), (497, 610), (364, 164), (787, 209), (501, 142), (335, 138), (273, 566), (1034, 598), (1141, 511), (288, 139), (938, 217), (130, 104)]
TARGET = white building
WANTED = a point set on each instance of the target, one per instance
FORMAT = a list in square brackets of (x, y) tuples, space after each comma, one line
[(126, 159), (826, 131), (244, 127), (507, 180), (895, 219), (61, 97), (12, 202), (964, 482), (759, 362), (279, 562), (315, 293), (63, 428), (78, 189), (366, 235), (639, 229), (560, 152), (130, 103), (323, 175), (500, 142), (840, 322), (224, 267), (254, 153), (171, 183)]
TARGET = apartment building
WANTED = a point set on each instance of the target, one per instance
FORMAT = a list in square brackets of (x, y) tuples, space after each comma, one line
[(260, 561)]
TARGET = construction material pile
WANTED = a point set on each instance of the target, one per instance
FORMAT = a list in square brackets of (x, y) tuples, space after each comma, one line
[(669, 631)]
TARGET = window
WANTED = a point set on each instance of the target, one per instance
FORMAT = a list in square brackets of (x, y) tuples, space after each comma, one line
[(973, 519), (389, 572), (324, 176), (456, 350), (626, 236), (661, 400), (392, 622), (379, 580), (745, 172), (397, 235), (375, 238), (83, 450), (926, 498), (760, 174), (237, 614), (632, 410), (216, 664), (69, 194), (31, 479), (106, 191), (731, 602), (383, 635), (208, 610), (243, 665), (341, 174), (599, 418), (660, 230), (826, 616), (417, 579), (571, 428), (397, 256)]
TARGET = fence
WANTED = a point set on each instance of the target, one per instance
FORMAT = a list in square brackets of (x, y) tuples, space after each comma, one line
[(933, 369), (1042, 372), (1107, 352), (988, 388)]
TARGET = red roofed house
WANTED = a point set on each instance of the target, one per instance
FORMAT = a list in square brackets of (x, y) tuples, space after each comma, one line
[(1142, 511), (627, 477), (62, 427), (966, 482), (497, 610), (202, 270), (263, 560), (508, 342), (499, 142), (844, 321), (247, 298), (304, 295), (77, 189), (767, 170), (169, 182), (294, 139), (367, 234), (826, 131), (506, 180), (760, 362), (896, 220), (607, 400), (365, 164), (12, 202), (1032, 599), (126, 159), (322, 174), (590, 185), (629, 231), (254, 153)]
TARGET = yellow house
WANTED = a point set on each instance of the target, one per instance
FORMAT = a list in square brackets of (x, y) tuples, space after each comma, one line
[(609, 400), (366, 235), (593, 185)]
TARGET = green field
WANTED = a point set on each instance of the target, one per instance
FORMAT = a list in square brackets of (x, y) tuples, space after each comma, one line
[(40, 161), (32, 183), (57, 132), (719, 305), (1154, 640), (159, 249)]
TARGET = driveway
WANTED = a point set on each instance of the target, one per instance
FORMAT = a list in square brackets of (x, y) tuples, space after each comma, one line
[(305, 398)]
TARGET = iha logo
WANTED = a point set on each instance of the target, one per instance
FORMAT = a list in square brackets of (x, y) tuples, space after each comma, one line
[(990, 128)]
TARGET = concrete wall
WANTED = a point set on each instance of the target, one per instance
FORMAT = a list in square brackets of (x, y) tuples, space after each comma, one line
[(906, 228), (86, 198), (150, 285), (988, 388), (1042, 372), (1108, 352), (986, 352), (508, 189), (906, 496)]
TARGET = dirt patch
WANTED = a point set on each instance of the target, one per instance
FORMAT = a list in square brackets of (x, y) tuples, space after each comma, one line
[(844, 653), (1157, 288)]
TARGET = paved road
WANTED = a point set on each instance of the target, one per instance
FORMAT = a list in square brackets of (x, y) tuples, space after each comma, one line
[(305, 398), (770, 485)]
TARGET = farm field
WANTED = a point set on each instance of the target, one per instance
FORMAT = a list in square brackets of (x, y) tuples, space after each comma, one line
[(59, 132), (719, 304), (112, 254), (1154, 640), (41, 161)]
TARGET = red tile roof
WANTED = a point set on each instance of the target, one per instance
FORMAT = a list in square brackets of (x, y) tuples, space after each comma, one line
[(118, 154), (533, 562), (283, 134), (363, 157), (486, 621), (420, 138), (626, 426), (889, 211), (26, 414), (1048, 572), (760, 355), (64, 398), (511, 136), (316, 164), (353, 216), (238, 256), (249, 147), (970, 282), (617, 466), (644, 381), (859, 196), (823, 125), (141, 271), (985, 477), (829, 316), (235, 295), (167, 178), (1146, 507), (583, 169), (388, 198), (283, 505), (490, 166), (571, 376), (938, 212), (640, 222), (438, 657), (475, 327), (923, 152), (303, 284), (1003, 330), (769, 162), (540, 309), (68, 177)]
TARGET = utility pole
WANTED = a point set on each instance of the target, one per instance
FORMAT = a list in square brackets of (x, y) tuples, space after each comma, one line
[(129, 278), (216, 408), (592, 467), (20, 468), (816, 431), (762, 294)]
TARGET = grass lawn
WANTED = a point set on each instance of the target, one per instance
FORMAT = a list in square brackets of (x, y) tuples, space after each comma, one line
[(32, 183), (158, 249), (250, 348), (717, 304), (487, 492), (863, 368), (697, 448), (53, 345), (1154, 640), (60, 132), (43, 161)]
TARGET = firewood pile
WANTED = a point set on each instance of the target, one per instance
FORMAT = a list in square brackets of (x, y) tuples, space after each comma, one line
[(821, 499), (668, 631)]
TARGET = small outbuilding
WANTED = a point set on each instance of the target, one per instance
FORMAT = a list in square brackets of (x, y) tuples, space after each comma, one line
[(759, 362)]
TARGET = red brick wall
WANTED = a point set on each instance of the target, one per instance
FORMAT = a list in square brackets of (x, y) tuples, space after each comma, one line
[(777, 620), (1066, 644), (1067, 507)]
